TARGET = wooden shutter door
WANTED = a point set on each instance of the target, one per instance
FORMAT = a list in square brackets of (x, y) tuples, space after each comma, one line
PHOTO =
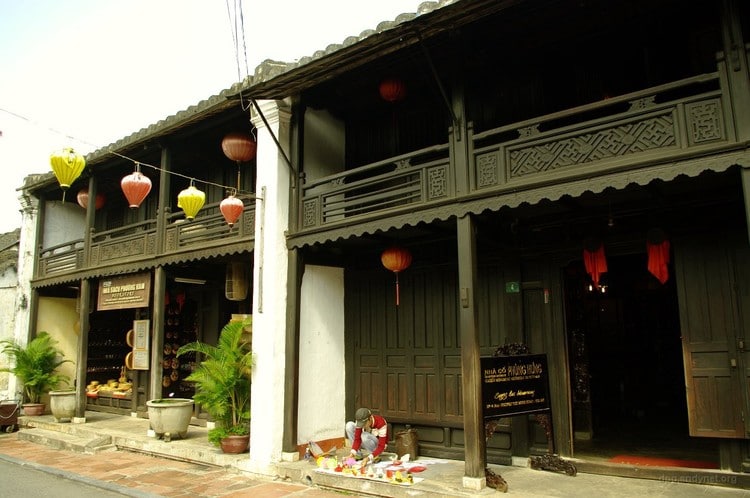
[(709, 321)]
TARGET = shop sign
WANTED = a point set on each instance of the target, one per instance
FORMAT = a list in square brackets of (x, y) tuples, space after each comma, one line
[(140, 344), (514, 385), (130, 291)]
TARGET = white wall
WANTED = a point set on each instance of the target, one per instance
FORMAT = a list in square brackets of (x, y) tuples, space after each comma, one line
[(64, 221), (8, 290), (321, 355), (271, 263)]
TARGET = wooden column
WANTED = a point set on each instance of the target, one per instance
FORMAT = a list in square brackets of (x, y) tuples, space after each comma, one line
[(163, 210), (84, 304), (157, 332), (470, 365), (291, 372)]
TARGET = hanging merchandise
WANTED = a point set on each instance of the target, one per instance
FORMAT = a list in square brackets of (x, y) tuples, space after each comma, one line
[(236, 283), (231, 208), (594, 260), (392, 90), (191, 201), (67, 166), (396, 259), (136, 186), (657, 247), (83, 199)]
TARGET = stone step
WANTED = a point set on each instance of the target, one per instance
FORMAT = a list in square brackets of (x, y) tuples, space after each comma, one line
[(65, 441)]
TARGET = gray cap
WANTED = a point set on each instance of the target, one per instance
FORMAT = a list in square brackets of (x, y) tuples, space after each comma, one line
[(361, 416)]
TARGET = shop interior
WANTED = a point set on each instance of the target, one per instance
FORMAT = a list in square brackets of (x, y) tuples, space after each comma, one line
[(627, 371)]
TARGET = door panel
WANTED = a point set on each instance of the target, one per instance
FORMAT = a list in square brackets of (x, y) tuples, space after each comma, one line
[(709, 323)]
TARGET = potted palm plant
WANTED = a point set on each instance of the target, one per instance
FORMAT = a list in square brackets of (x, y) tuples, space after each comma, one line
[(35, 365), (222, 385)]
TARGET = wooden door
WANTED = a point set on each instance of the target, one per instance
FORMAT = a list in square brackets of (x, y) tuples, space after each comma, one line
[(710, 293)]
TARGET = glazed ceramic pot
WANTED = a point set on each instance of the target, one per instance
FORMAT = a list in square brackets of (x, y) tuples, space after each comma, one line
[(170, 416), (235, 444), (62, 404)]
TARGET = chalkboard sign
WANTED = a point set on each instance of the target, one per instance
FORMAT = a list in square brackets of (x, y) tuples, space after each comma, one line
[(514, 385)]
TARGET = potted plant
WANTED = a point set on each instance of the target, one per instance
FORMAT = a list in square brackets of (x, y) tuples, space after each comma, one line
[(222, 385), (35, 365)]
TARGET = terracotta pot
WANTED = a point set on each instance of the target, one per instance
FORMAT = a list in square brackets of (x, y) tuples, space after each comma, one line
[(235, 444), (33, 409)]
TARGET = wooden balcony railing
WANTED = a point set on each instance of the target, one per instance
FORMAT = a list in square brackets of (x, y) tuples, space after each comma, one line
[(664, 121), (207, 230), (61, 258), (418, 178), (682, 118), (124, 243), (139, 241)]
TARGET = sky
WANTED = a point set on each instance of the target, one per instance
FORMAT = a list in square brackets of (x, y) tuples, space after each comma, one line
[(86, 73)]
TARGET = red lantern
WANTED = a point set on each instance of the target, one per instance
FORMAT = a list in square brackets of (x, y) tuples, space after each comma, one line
[(231, 208), (396, 259), (240, 147), (594, 260), (83, 199), (136, 187), (392, 90)]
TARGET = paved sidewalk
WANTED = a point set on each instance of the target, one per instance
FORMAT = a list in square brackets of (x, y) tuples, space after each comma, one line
[(139, 475)]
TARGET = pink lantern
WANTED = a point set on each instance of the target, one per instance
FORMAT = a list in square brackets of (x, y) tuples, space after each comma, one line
[(83, 199), (136, 187), (231, 208), (239, 147)]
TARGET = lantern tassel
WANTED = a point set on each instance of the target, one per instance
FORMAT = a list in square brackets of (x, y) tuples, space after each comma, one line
[(397, 291)]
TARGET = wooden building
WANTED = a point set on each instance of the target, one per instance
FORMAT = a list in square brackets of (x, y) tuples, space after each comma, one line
[(504, 144)]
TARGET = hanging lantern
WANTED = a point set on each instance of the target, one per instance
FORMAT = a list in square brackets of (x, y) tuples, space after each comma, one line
[(231, 208), (136, 187), (191, 201), (83, 199), (236, 283), (657, 248), (239, 147), (67, 166), (594, 260), (396, 259), (392, 90)]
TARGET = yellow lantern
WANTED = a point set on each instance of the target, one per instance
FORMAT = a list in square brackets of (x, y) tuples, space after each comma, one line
[(191, 201), (67, 166)]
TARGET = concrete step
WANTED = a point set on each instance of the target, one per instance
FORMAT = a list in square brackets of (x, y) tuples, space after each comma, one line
[(65, 441)]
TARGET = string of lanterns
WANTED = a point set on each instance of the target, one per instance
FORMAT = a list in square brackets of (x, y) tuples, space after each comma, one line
[(67, 165)]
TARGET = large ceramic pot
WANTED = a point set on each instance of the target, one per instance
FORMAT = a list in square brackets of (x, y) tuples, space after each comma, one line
[(62, 404), (235, 444), (33, 409), (170, 416)]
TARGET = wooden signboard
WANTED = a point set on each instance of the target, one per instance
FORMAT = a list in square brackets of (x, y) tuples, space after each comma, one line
[(514, 385), (130, 291), (140, 346)]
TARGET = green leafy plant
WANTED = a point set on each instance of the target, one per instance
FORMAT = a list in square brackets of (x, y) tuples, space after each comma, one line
[(222, 380), (36, 365)]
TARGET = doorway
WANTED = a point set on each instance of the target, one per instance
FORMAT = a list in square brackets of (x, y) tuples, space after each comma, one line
[(628, 384)]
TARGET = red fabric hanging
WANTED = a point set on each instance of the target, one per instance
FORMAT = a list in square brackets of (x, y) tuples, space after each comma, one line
[(658, 260), (596, 263)]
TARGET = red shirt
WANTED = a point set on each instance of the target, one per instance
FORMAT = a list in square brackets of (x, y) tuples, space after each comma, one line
[(378, 429)]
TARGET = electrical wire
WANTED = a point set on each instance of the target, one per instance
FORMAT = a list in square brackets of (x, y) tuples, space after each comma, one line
[(134, 161)]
